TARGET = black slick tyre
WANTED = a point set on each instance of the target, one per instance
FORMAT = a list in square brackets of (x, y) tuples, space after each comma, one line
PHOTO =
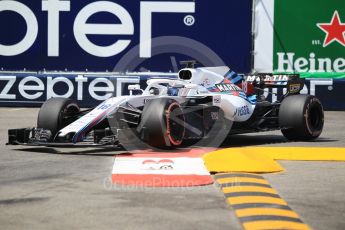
[(301, 117), (162, 123), (56, 113)]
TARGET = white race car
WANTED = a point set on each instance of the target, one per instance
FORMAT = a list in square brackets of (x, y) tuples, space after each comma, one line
[(203, 104)]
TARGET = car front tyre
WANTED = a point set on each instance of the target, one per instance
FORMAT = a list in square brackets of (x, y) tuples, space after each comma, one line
[(163, 123), (56, 113)]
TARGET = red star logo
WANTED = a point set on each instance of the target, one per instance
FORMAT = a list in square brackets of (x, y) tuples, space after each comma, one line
[(334, 30)]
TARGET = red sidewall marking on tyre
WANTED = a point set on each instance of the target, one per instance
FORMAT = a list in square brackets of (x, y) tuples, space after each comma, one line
[(174, 142)]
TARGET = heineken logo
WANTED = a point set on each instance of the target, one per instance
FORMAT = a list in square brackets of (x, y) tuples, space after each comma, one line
[(288, 62), (312, 41), (334, 30), (306, 58)]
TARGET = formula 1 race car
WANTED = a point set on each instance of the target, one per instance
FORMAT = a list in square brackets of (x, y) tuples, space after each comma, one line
[(206, 103)]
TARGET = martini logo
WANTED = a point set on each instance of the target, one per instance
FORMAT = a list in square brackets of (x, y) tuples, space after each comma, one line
[(228, 87), (335, 30)]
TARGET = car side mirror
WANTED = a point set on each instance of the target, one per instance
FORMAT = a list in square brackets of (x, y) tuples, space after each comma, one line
[(136, 88)]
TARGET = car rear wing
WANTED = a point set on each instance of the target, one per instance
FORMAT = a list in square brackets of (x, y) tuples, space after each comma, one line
[(292, 82)]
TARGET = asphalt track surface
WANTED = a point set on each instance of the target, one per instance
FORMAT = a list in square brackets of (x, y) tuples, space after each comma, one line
[(67, 189)]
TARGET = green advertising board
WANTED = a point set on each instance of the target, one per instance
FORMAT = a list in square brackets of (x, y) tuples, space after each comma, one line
[(309, 36)]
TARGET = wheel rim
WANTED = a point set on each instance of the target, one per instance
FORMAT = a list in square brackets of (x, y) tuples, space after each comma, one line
[(69, 111)]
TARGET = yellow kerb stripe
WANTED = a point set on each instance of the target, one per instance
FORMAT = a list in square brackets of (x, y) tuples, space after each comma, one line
[(255, 199), (265, 211), (242, 173), (248, 189), (274, 225), (241, 179)]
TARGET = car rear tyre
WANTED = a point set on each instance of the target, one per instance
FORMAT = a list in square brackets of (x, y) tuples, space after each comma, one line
[(162, 123), (301, 117), (57, 113)]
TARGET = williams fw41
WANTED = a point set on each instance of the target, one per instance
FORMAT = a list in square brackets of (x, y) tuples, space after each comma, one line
[(203, 105)]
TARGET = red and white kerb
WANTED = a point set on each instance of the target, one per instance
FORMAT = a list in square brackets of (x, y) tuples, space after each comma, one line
[(160, 170)]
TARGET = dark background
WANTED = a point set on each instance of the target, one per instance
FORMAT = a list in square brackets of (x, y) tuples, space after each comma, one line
[(223, 25)]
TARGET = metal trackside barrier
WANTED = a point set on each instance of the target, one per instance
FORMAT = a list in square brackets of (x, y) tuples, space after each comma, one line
[(32, 89), (90, 89), (329, 91)]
